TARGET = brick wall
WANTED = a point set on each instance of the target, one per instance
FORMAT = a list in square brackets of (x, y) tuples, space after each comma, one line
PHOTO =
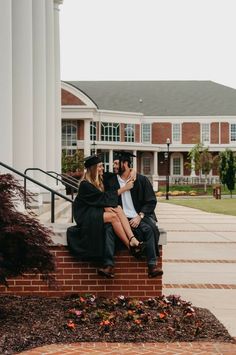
[(137, 133), (224, 133), (160, 132), (81, 277), (215, 133), (69, 99), (190, 133), (80, 131)]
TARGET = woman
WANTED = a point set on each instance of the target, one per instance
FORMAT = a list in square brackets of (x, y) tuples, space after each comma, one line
[(94, 207)]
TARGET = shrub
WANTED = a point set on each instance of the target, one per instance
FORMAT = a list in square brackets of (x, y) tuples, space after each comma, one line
[(24, 242)]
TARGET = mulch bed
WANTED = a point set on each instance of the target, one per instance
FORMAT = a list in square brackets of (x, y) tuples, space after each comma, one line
[(28, 322)]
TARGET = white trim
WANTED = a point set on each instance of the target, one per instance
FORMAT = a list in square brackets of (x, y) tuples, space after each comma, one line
[(177, 155), (79, 94), (209, 126), (181, 119), (150, 125), (172, 133), (231, 142)]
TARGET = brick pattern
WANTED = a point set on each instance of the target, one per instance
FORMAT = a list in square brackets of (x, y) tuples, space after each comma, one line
[(80, 130), (122, 132), (160, 132), (199, 261), (190, 133), (180, 348), (81, 277), (69, 99), (224, 129), (208, 286), (214, 133), (137, 133)]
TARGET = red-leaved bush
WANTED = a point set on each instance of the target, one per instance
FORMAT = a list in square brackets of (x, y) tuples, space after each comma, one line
[(24, 241)]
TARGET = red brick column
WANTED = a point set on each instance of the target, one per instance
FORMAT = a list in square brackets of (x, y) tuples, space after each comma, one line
[(81, 277)]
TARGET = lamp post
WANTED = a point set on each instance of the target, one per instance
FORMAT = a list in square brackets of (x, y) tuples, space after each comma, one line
[(167, 158), (94, 148)]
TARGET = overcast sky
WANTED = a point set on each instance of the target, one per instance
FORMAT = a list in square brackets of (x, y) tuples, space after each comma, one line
[(149, 40)]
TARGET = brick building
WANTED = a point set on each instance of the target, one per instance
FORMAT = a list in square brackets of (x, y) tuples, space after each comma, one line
[(140, 116)]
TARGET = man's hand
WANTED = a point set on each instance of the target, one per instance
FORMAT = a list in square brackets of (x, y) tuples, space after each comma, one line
[(134, 222)]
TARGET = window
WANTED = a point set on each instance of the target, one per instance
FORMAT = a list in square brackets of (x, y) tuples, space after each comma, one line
[(146, 133), (105, 159), (93, 131), (129, 132), (233, 132), (146, 165), (110, 132), (205, 133), (69, 152), (69, 134), (176, 132), (176, 166)]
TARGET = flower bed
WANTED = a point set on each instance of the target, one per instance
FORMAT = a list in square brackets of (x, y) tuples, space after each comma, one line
[(27, 322)]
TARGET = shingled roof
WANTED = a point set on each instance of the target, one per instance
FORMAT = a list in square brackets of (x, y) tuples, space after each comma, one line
[(162, 98)]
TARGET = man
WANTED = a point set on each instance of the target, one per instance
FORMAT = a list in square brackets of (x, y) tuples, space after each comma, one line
[(138, 204)]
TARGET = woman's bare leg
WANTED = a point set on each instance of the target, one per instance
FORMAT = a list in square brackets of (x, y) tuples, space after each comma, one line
[(125, 223), (112, 217)]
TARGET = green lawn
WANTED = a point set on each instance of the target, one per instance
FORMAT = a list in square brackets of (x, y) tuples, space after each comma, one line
[(224, 206)]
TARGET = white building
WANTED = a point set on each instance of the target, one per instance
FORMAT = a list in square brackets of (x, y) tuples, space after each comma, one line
[(30, 87)]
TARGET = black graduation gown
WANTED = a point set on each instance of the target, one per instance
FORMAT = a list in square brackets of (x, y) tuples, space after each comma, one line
[(88, 213), (143, 197)]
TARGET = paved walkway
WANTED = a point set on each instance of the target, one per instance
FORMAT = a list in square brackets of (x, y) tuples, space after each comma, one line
[(200, 265)]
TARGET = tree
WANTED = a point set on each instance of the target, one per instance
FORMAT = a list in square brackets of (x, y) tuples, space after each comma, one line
[(24, 242), (72, 163), (201, 159), (227, 169)]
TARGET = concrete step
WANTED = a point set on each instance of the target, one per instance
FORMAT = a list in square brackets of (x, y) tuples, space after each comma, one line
[(62, 212)]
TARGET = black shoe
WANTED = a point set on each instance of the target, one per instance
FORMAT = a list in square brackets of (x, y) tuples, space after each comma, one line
[(154, 271), (137, 250), (106, 271)]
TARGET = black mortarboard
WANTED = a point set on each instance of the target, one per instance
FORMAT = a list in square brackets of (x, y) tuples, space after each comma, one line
[(124, 156), (92, 160)]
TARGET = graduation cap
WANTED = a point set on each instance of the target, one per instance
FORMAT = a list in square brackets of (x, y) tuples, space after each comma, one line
[(92, 160), (124, 156)]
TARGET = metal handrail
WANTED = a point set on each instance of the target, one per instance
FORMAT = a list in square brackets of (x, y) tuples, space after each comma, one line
[(53, 192), (65, 176), (73, 188)]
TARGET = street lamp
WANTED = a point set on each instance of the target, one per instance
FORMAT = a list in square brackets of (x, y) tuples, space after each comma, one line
[(167, 158), (94, 148)]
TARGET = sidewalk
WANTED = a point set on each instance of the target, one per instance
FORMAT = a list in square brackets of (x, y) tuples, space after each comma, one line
[(200, 260), (199, 265)]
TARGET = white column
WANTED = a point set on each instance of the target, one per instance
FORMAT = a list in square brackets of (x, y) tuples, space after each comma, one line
[(155, 171), (111, 160), (39, 87), (57, 86), (193, 174), (6, 83), (87, 147), (135, 160), (50, 85), (155, 163), (22, 87)]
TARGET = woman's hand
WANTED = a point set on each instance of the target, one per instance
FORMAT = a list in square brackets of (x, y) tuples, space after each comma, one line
[(133, 174), (110, 209), (129, 185)]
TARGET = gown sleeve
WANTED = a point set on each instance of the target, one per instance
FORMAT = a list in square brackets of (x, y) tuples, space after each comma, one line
[(149, 197), (92, 196)]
